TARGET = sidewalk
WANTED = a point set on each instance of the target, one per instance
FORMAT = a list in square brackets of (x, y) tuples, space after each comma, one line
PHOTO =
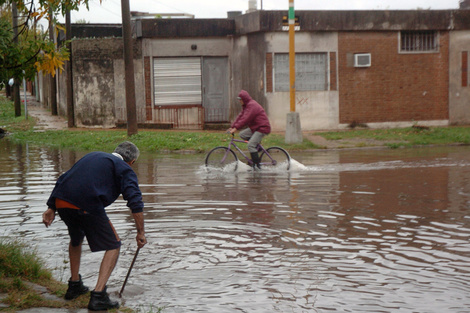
[(45, 120), (46, 295)]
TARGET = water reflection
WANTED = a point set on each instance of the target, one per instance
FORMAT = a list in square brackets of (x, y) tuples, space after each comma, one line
[(352, 231)]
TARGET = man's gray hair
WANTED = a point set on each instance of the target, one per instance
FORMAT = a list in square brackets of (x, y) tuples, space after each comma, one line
[(128, 151)]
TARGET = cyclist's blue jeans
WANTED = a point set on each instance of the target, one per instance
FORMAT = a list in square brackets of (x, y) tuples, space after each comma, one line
[(253, 139)]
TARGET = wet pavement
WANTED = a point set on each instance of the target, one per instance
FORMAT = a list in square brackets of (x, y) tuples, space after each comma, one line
[(45, 120)]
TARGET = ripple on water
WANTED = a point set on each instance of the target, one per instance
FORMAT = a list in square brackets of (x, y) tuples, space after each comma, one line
[(339, 231)]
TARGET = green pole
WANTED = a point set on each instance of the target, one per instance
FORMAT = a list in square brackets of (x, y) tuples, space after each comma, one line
[(292, 55)]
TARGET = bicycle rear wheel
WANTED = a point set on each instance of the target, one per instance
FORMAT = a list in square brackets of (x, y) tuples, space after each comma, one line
[(275, 156), (220, 157)]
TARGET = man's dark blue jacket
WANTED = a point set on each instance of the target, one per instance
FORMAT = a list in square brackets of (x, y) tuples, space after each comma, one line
[(95, 182)]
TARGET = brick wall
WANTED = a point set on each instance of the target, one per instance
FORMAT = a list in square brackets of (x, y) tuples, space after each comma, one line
[(397, 87), (333, 76)]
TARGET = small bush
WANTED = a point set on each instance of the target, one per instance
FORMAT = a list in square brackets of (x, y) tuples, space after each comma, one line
[(15, 261)]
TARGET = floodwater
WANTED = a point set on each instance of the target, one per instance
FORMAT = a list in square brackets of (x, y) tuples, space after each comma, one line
[(342, 231)]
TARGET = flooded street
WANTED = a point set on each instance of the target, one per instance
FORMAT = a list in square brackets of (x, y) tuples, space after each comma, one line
[(342, 231)]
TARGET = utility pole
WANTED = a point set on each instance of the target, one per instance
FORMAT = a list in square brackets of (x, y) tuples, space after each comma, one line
[(68, 68), (16, 86), (52, 80), (293, 130), (132, 128), (292, 55)]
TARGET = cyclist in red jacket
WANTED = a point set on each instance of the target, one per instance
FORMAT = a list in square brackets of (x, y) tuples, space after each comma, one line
[(253, 116)]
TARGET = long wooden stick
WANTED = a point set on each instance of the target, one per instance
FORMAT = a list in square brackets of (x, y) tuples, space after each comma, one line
[(129, 272)]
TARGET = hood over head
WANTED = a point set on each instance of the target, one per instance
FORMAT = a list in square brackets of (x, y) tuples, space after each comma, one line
[(245, 96)]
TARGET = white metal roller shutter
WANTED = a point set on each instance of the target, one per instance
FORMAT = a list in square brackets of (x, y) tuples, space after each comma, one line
[(177, 81)]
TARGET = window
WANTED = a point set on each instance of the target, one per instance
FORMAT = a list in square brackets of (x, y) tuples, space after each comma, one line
[(310, 72), (419, 41), (177, 81)]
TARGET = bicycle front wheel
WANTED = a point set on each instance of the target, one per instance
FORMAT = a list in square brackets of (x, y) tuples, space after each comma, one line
[(220, 157), (275, 156)]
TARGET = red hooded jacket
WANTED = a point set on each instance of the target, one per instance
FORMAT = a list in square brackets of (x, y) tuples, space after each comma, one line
[(252, 115)]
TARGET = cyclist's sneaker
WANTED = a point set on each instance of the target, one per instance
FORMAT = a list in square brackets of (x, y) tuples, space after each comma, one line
[(76, 289)]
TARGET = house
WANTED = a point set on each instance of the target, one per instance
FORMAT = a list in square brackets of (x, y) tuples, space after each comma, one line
[(380, 68)]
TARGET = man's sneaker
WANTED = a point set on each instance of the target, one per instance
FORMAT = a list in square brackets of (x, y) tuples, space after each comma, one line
[(99, 301), (76, 289)]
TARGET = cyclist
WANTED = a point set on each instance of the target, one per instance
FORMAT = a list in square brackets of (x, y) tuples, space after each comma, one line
[(253, 116)]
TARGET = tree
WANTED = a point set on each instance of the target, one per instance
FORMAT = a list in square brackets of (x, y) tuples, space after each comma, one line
[(34, 51)]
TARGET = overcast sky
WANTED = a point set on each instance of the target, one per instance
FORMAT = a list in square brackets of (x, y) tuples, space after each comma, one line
[(109, 11)]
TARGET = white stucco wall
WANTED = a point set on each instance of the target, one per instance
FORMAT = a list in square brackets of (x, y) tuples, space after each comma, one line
[(317, 109), (93, 100), (120, 91)]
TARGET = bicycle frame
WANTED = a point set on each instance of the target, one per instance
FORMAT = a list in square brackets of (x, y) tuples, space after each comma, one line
[(260, 148), (219, 156)]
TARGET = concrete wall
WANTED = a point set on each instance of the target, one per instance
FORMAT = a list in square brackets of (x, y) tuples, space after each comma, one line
[(398, 89), (98, 81), (45, 92), (317, 109), (459, 87), (248, 69), (240, 59), (61, 93), (342, 20), (177, 47), (120, 91), (93, 82)]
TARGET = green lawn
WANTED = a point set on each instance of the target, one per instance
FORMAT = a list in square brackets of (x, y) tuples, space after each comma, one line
[(407, 137), (21, 131)]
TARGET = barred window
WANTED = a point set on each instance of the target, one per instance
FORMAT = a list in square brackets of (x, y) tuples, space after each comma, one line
[(310, 71), (419, 41)]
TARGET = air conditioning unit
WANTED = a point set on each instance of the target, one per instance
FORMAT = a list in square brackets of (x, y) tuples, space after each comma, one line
[(362, 60)]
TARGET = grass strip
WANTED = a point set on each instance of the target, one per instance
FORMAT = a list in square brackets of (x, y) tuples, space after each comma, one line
[(21, 131), (21, 271), (407, 137), (18, 268)]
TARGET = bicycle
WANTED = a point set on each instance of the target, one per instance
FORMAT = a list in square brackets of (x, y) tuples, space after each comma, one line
[(219, 157)]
